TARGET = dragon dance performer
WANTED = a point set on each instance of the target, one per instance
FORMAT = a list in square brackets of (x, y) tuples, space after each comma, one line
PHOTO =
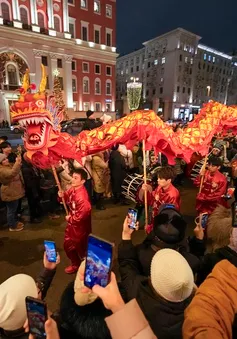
[(78, 221), (214, 187), (165, 193)]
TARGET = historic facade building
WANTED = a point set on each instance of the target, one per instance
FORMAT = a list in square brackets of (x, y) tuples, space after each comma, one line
[(73, 38), (178, 74)]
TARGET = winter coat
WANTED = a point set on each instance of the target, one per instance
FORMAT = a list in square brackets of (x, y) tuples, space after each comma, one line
[(165, 318), (12, 182), (129, 322), (98, 173), (117, 171), (31, 178), (211, 259), (212, 310), (90, 124), (147, 249)]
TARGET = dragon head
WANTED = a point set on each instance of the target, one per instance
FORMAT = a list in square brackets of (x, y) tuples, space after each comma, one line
[(39, 115)]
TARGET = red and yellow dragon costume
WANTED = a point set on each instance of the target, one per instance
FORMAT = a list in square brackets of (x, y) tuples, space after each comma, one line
[(46, 145)]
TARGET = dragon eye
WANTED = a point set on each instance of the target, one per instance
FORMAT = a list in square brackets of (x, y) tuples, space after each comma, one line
[(40, 103)]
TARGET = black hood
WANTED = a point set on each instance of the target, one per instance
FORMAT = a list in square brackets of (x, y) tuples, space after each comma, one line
[(165, 317)]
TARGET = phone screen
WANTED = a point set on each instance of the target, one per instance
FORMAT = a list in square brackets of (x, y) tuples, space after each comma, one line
[(37, 316), (50, 249), (235, 215), (98, 262), (132, 218), (204, 219)]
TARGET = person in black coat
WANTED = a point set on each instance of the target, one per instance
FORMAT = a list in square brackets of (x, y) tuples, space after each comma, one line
[(168, 232), (118, 173), (90, 122), (31, 177), (164, 296)]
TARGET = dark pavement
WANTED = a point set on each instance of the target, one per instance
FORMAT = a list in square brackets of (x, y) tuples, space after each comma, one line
[(22, 252)]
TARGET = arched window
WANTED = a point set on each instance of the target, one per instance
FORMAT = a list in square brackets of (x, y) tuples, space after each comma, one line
[(97, 86), (108, 87), (41, 22), (5, 11), (86, 85), (24, 15), (57, 23), (12, 75)]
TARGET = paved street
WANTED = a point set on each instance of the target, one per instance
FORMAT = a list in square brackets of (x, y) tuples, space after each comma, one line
[(22, 252)]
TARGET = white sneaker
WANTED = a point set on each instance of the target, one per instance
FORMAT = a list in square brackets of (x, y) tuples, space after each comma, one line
[(19, 227)]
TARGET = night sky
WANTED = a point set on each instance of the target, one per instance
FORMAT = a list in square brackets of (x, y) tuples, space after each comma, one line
[(140, 20)]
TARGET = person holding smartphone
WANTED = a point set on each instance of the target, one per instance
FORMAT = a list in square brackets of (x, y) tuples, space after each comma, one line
[(78, 221)]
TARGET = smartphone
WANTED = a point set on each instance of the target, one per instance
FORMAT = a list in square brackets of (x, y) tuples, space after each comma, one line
[(132, 218), (50, 249), (230, 192), (98, 262), (203, 220), (37, 316), (235, 215)]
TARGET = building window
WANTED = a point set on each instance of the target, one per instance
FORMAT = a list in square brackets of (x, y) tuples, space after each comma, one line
[(98, 107), (108, 87), (189, 90), (74, 65), (86, 106), (5, 11), (61, 82), (131, 71), (163, 60), (108, 11), (209, 57), (85, 67), (97, 36), (213, 59), (84, 33), (24, 16), (70, 2), (72, 29), (186, 60), (74, 85), (204, 56), (156, 62), (97, 6), (97, 69), (108, 70), (191, 61), (12, 75), (137, 68), (41, 21), (74, 106), (44, 60), (183, 89), (108, 39), (86, 85), (57, 23), (59, 63), (161, 90), (180, 57), (97, 86), (84, 4), (177, 89)]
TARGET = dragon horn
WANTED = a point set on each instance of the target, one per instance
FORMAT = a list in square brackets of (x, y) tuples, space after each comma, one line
[(43, 80), (26, 80)]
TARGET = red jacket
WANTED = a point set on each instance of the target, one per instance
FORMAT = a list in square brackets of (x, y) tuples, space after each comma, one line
[(79, 223), (214, 186), (160, 196)]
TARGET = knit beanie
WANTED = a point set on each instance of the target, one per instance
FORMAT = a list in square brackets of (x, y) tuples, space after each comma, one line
[(80, 298), (171, 275), (12, 301), (2, 157), (169, 226), (89, 113)]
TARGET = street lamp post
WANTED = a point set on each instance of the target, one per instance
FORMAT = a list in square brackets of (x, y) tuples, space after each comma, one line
[(134, 91)]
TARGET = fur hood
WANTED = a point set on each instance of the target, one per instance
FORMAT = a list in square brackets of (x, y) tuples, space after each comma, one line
[(219, 228)]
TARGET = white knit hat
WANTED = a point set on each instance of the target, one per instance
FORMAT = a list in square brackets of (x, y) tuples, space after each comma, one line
[(12, 301), (171, 275), (2, 157)]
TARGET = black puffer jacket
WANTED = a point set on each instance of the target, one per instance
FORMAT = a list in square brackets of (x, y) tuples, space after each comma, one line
[(165, 318)]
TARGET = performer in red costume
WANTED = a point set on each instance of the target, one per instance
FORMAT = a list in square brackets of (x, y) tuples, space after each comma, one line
[(214, 187), (78, 221), (165, 193)]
